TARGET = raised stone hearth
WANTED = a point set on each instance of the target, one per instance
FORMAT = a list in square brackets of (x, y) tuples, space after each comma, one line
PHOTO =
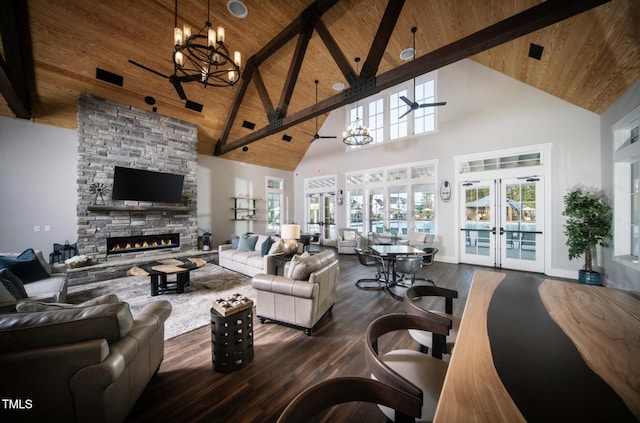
[(119, 269)]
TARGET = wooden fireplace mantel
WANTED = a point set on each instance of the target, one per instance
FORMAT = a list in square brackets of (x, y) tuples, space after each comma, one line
[(107, 207)]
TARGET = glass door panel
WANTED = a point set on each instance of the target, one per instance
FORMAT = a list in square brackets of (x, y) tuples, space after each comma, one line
[(375, 203), (522, 225), (313, 225), (477, 223), (329, 216)]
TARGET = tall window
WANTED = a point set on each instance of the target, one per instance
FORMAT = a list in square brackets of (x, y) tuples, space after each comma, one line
[(423, 208), (275, 193), (397, 210), (376, 120), (397, 127), (424, 119), (355, 209)]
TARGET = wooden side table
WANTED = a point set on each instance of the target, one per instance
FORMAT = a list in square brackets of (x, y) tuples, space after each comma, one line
[(231, 340)]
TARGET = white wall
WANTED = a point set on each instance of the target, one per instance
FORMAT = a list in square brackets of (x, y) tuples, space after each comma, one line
[(619, 275), (219, 180), (38, 168), (485, 111)]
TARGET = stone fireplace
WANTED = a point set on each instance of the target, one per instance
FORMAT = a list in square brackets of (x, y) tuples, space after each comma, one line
[(109, 135)]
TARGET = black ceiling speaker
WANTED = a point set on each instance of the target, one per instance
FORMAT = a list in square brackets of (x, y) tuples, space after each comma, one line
[(248, 125), (109, 77), (535, 51), (286, 138), (192, 105)]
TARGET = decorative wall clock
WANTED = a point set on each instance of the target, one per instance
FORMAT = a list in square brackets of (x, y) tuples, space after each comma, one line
[(98, 189)]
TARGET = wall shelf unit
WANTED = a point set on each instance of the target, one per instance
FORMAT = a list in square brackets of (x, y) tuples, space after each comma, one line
[(244, 208)]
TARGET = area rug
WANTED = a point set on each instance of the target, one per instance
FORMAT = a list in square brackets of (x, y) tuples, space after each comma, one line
[(190, 310)]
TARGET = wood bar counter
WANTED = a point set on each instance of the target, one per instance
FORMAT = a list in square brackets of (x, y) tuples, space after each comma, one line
[(591, 333)]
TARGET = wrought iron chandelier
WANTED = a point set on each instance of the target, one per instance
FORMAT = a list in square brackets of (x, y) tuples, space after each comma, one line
[(204, 57), (357, 134)]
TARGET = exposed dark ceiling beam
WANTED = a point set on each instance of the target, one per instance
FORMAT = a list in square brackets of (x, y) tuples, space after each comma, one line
[(526, 22), (381, 40), (14, 72)]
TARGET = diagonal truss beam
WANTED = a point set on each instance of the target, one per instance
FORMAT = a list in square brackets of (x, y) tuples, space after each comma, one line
[(17, 49), (302, 26), (526, 22)]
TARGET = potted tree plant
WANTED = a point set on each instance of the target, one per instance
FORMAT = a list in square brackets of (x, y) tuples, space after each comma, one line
[(588, 225)]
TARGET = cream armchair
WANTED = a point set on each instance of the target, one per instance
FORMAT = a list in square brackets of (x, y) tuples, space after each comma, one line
[(348, 241), (303, 296), (419, 240)]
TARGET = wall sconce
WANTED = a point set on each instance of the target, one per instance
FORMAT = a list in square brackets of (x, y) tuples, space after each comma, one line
[(340, 198), (445, 191)]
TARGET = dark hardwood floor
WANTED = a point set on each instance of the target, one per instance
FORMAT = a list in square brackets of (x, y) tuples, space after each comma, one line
[(286, 361)]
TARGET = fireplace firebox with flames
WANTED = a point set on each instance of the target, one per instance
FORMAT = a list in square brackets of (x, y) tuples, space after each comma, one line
[(131, 244)]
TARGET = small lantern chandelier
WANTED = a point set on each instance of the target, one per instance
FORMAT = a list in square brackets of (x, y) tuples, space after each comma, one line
[(203, 57), (357, 134)]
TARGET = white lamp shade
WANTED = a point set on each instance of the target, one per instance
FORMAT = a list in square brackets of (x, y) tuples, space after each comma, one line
[(290, 232)]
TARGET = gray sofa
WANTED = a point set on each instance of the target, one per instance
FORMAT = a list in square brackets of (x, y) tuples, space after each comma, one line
[(79, 364), (250, 262), (52, 288), (303, 296)]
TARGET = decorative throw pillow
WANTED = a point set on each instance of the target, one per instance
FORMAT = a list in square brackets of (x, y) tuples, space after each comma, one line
[(248, 243), (260, 241), (235, 240), (25, 266), (266, 246), (13, 284), (31, 306), (276, 246), (349, 235), (297, 268)]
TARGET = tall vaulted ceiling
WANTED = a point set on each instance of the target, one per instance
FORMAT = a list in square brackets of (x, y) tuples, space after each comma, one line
[(51, 49)]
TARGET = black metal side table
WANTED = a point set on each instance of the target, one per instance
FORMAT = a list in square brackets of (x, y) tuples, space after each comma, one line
[(231, 340)]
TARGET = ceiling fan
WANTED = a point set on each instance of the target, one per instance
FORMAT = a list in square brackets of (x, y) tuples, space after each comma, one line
[(413, 105), (317, 136), (173, 79)]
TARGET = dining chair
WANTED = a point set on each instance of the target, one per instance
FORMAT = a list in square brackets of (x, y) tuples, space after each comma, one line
[(407, 265), (328, 393), (370, 260), (411, 371), (413, 303)]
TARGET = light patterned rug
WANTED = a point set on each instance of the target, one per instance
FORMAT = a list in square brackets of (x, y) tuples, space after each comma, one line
[(190, 310)]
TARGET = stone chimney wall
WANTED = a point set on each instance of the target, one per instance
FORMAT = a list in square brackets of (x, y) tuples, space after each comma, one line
[(111, 134)]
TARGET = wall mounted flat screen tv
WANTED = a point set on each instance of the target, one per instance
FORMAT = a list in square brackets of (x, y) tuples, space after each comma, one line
[(146, 185)]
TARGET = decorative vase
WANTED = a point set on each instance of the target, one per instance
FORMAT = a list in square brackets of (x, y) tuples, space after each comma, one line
[(589, 278)]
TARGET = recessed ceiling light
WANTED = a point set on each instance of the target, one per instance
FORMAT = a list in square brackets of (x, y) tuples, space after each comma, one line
[(338, 86), (237, 9), (407, 53)]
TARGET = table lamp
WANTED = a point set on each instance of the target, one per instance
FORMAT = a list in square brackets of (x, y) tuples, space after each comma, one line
[(290, 235)]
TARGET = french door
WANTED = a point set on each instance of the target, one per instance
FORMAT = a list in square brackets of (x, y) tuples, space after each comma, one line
[(502, 223), (321, 215)]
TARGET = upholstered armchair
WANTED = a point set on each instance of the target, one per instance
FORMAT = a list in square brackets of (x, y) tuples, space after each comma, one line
[(419, 240), (301, 297), (348, 240)]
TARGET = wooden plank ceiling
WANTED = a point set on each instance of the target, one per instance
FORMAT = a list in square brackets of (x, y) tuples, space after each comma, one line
[(589, 59)]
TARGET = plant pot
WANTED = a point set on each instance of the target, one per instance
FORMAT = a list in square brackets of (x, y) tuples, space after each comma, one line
[(589, 278)]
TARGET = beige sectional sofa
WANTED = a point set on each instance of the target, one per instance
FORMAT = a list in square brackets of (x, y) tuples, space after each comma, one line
[(250, 261), (303, 296), (79, 363)]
